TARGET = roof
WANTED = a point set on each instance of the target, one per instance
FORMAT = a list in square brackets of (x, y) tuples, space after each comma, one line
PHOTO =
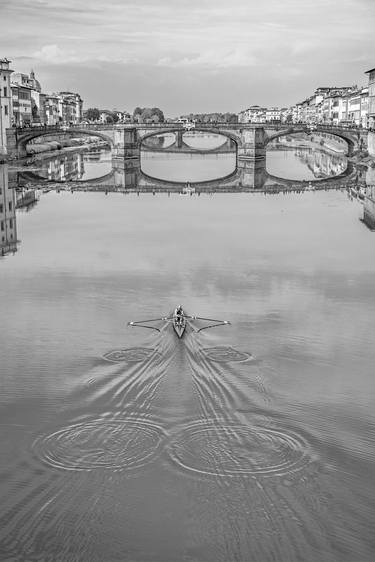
[(371, 69)]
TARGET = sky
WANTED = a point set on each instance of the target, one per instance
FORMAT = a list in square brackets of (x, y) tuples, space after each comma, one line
[(189, 55)]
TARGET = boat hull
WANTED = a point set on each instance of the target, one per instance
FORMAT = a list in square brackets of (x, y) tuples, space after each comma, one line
[(179, 325)]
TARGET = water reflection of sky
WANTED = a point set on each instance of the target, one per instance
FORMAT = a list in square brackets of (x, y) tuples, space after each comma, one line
[(187, 167)]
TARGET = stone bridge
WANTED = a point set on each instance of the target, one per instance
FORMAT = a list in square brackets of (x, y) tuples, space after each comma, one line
[(126, 140)]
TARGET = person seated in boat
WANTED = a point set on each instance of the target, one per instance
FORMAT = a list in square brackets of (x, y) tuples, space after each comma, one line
[(179, 314)]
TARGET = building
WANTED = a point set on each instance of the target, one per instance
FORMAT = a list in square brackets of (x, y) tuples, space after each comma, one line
[(70, 107), (5, 102), (371, 98), (27, 100), (21, 105), (52, 109), (254, 114), (29, 81), (63, 107), (273, 115)]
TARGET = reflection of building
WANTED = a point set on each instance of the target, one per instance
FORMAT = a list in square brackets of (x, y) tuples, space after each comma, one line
[(8, 227), (369, 207), (62, 168), (321, 164)]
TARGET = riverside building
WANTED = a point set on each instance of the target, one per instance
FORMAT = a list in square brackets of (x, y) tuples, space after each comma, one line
[(371, 98), (5, 102)]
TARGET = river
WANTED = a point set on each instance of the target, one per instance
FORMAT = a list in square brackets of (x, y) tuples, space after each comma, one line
[(249, 442)]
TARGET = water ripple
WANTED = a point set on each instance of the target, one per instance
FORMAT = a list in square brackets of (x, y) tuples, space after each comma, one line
[(225, 354), (101, 444), (132, 354), (233, 449)]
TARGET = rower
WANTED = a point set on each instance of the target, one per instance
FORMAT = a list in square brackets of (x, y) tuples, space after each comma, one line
[(179, 314)]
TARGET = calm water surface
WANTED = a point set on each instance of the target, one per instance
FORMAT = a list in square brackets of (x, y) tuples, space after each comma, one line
[(249, 442)]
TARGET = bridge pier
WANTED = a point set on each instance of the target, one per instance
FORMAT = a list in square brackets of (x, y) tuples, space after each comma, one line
[(178, 135), (126, 173), (253, 143), (125, 144), (252, 173), (15, 149)]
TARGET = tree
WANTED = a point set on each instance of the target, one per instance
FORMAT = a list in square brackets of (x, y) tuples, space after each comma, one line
[(92, 114), (233, 118), (158, 113), (137, 113)]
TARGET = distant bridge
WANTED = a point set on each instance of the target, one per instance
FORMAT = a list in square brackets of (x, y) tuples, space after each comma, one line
[(126, 141)]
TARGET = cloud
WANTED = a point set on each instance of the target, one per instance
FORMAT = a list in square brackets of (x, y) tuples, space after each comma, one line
[(53, 54), (216, 59)]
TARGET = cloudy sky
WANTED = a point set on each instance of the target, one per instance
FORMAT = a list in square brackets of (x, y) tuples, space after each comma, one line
[(189, 55)]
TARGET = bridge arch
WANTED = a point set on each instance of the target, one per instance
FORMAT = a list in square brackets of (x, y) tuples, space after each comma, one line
[(218, 131), (350, 143), (24, 139)]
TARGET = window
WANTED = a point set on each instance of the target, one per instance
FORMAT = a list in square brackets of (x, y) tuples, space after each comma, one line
[(11, 223), (5, 110), (2, 226), (5, 92), (10, 205), (1, 208)]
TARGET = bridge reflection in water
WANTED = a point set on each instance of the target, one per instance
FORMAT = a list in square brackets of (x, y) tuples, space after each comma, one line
[(127, 175)]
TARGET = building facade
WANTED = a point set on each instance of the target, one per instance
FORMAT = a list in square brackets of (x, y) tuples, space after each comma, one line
[(5, 102), (21, 106), (371, 98), (70, 107)]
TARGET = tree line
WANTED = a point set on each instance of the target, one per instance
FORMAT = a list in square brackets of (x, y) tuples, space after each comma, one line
[(140, 115), (212, 117)]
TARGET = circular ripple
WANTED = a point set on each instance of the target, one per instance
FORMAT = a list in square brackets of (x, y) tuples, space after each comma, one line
[(225, 354), (106, 444), (132, 354), (239, 450)]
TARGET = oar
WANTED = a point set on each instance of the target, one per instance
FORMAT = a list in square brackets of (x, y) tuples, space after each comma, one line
[(210, 319), (151, 320), (221, 323), (139, 325)]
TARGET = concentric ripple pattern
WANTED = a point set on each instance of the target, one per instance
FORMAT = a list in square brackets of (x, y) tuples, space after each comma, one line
[(225, 354), (239, 450), (132, 354), (101, 444)]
